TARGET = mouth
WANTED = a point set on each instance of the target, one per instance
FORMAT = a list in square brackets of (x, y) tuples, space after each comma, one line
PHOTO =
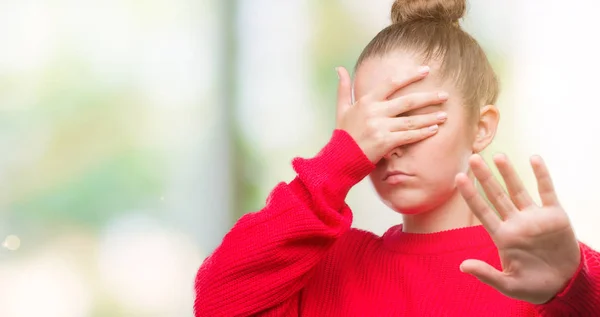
[(396, 177)]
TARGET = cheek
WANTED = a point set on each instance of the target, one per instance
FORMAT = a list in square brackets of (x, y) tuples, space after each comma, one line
[(447, 152)]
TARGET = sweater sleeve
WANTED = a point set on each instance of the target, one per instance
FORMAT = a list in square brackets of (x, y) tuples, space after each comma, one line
[(581, 296), (264, 262)]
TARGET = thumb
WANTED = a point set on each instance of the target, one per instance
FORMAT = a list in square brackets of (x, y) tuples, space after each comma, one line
[(344, 94), (485, 273)]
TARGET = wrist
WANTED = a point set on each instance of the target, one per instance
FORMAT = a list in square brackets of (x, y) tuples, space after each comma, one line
[(340, 165)]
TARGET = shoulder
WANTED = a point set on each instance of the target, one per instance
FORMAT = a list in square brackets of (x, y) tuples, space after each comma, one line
[(356, 241), (352, 250)]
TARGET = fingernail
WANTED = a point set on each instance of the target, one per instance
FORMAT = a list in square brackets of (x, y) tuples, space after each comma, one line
[(433, 127), (423, 70), (443, 95), (337, 71), (442, 116)]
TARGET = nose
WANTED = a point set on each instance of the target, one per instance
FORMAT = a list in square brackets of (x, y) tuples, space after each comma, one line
[(397, 152)]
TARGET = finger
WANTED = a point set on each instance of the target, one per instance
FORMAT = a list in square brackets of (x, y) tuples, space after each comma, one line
[(385, 90), (406, 103), (344, 94), (494, 192), (400, 138), (544, 182), (486, 274), (417, 121), (514, 185), (477, 204)]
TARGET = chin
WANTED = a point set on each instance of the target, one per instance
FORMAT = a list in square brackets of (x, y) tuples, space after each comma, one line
[(408, 202), (413, 201)]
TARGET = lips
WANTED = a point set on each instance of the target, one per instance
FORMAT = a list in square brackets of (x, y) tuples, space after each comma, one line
[(395, 173)]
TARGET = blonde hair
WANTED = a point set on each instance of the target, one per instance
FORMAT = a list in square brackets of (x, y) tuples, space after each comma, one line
[(431, 29)]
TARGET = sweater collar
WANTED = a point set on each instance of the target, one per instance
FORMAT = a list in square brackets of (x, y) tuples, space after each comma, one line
[(438, 242)]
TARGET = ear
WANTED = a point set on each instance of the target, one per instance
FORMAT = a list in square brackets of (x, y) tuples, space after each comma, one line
[(489, 116)]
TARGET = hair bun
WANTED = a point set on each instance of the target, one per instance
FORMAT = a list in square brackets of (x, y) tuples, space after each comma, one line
[(450, 11)]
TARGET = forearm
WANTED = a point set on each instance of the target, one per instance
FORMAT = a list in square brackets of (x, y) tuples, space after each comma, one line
[(266, 258)]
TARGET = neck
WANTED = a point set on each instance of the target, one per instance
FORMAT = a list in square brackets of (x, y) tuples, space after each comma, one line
[(452, 214)]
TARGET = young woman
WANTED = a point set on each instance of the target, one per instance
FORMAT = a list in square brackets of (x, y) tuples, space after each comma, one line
[(425, 95)]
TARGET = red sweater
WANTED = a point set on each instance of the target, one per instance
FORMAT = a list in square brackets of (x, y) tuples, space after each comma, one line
[(299, 257)]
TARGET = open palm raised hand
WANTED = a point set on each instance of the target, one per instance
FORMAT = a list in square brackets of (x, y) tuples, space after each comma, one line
[(538, 249)]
